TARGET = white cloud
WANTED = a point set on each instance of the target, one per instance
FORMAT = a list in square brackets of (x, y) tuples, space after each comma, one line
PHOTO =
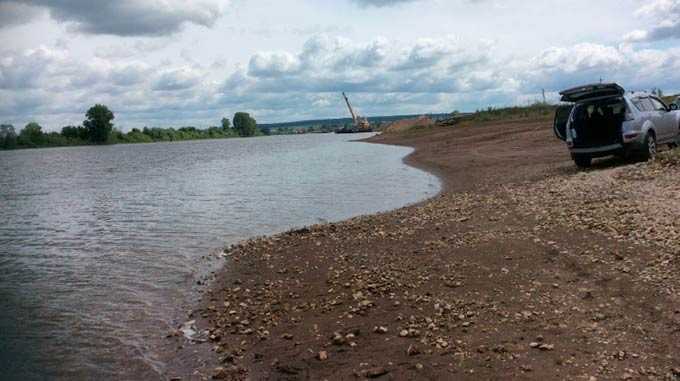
[(201, 74), (663, 18), (382, 3), (579, 58), (428, 75), (129, 74), (177, 79), (26, 69), (273, 81), (636, 36), (15, 13), (559, 68), (120, 17), (273, 64)]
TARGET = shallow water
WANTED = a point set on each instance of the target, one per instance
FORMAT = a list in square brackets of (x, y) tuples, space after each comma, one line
[(100, 246)]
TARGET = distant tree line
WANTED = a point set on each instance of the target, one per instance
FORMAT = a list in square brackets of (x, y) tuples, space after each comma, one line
[(98, 128)]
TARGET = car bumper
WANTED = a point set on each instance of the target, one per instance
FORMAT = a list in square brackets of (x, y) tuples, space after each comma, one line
[(633, 138), (611, 149)]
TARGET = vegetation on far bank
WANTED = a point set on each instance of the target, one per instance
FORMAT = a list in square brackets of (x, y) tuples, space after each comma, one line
[(534, 111), (97, 128)]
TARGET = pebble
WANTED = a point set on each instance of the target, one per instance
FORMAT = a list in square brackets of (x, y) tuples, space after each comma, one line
[(220, 374), (375, 372), (338, 339)]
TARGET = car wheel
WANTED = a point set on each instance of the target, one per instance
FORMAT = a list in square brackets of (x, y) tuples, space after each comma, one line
[(583, 161), (649, 149)]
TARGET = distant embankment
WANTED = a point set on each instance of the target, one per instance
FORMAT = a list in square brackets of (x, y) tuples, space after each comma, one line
[(538, 111), (407, 124), (330, 125)]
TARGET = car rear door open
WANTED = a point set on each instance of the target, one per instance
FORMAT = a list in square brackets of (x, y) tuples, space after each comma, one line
[(561, 119)]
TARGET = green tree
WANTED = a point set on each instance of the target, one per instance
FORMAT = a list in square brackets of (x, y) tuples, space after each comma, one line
[(73, 132), (244, 124), (8, 136), (31, 135), (70, 132), (137, 136), (54, 139), (98, 123), (226, 124), (215, 132)]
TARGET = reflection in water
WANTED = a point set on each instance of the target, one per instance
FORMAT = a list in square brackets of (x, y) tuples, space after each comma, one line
[(100, 246)]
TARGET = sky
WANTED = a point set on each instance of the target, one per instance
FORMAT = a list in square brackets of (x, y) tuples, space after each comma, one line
[(174, 63)]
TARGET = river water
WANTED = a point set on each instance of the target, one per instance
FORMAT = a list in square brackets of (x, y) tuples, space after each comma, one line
[(100, 247)]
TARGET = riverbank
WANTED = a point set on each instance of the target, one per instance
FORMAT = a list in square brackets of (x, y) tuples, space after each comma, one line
[(497, 277)]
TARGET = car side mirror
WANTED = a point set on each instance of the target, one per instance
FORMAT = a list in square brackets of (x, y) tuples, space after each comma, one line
[(673, 106)]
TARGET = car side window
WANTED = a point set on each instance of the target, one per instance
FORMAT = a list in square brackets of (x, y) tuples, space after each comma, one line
[(647, 104), (638, 105), (658, 105)]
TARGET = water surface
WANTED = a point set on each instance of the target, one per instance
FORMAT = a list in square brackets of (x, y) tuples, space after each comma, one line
[(100, 246)]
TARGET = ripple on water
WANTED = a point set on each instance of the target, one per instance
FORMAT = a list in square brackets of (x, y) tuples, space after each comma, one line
[(100, 246)]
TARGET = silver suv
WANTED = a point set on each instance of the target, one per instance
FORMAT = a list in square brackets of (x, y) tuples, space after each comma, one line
[(602, 120)]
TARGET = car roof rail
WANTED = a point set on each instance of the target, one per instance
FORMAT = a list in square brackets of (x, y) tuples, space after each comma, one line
[(639, 93)]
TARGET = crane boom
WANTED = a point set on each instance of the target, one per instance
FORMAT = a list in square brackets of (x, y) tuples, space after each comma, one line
[(351, 110), (360, 124)]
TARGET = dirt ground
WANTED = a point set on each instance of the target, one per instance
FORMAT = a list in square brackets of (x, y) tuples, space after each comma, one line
[(522, 268)]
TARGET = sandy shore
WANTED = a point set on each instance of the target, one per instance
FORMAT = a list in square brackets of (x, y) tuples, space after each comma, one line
[(522, 268)]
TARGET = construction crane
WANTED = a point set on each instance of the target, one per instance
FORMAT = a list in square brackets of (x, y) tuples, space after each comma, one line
[(360, 124)]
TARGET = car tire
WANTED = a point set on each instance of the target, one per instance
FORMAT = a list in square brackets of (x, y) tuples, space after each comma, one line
[(649, 148), (583, 161)]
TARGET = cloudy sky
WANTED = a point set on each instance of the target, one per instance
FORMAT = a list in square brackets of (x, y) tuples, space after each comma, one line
[(190, 62)]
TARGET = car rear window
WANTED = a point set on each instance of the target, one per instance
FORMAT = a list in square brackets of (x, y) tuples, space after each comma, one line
[(613, 107)]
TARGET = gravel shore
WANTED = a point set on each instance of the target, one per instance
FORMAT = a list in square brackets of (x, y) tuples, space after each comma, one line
[(522, 268)]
